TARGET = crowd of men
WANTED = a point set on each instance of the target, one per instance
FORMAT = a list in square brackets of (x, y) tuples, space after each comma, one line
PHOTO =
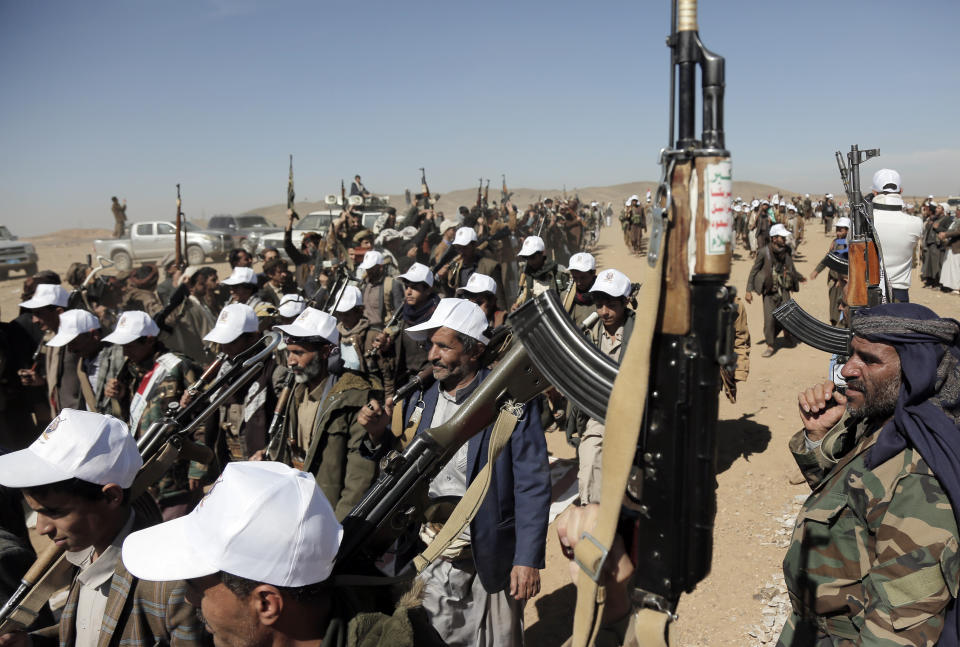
[(250, 535)]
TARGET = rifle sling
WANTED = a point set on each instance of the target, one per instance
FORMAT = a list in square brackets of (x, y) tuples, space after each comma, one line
[(469, 505), (624, 416)]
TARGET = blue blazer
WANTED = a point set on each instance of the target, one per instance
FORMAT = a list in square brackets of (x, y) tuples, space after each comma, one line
[(510, 528)]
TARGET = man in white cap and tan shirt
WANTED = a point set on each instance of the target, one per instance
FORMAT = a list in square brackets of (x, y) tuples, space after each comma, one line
[(257, 555), (77, 476), (325, 436), (773, 276), (60, 365), (239, 430), (898, 232), (476, 591), (97, 361), (577, 300), (149, 380), (539, 274), (611, 292), (376, 288)]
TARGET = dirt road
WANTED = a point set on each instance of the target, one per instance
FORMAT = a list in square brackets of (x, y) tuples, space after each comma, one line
[(754, 493)]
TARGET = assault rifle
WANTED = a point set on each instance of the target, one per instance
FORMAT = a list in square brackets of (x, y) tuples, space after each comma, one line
[(178, 244), (504, 194), (290, 194), (480, 197), (866, 277), (486, 195), (424, 189), (166, 441)]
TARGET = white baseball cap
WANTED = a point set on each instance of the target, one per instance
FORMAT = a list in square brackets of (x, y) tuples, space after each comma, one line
[(241, 275), (737, 208), (755, 203), (790, 207), (262, 521), (72, 324), (45, 295), (632, 198), (418, 273), (829, 195), (885, 177), (531, 245), (465, 236), (291, 305), (313, 323), (582, 262), (132, 325), (842, 222), (478, 284), (612, 282), (371, 258), (350, 298), (234, 320), (88, 446), (779, 230), (461, 315)]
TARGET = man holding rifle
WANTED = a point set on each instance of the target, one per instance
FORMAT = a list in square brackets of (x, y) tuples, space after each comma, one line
[(874, 557), (476, 591), (76, 476)]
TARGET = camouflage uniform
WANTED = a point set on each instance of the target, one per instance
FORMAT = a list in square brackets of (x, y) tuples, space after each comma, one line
[(873, 559)]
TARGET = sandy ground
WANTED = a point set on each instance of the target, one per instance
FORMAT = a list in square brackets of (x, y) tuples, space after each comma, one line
[(753, 463)]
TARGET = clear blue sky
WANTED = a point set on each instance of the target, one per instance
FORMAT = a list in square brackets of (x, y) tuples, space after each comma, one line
[(129, 97)]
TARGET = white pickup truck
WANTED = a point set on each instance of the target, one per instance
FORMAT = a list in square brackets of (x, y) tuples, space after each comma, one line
[(151, 241)]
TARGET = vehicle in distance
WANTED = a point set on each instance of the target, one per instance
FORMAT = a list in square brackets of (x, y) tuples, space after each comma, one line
[(318, 221), (246, 228), (15, 255), (151, 241)]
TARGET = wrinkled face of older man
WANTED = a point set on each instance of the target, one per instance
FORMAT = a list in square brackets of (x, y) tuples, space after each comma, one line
[(452, 362), (873, 380)]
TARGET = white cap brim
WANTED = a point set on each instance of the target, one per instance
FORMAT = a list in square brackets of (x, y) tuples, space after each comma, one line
[(25, 469), (222, 335), (302, 332), (62, 338), (121, 337), (35, 304), (178, 559)]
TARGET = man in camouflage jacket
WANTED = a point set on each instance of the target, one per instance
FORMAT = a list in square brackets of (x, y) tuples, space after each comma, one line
[(874, 556)]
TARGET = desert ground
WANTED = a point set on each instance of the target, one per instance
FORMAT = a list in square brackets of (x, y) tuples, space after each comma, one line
[(739, 603)]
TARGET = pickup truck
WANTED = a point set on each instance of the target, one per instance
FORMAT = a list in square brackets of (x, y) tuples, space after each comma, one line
[(151, 241), (318, 221), (246, 228), (15, 255)]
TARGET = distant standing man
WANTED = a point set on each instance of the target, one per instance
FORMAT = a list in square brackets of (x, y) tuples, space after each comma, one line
[(119, 216)]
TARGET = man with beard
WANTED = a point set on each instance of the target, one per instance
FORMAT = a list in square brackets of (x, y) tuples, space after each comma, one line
[(874, 556), (773, 277), (325, 436), (539, 274), (476, 591), (193, 318)]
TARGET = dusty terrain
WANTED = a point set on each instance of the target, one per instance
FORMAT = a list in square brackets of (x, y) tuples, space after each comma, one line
[(754, 492)]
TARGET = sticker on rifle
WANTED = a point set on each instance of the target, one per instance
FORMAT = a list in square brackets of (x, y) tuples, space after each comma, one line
[(718, 194)]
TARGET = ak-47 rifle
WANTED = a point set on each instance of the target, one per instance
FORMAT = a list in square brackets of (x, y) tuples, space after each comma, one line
[(504, 194), (866, 277), (662, 411), (275, 435), (424, 189), (480, 197), (178, 245), (486, 195), (290, 194), (166, 441)]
